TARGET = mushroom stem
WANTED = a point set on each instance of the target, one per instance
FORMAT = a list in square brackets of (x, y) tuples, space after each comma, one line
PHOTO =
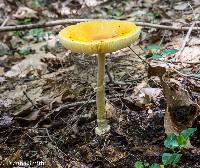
[(103, 127)]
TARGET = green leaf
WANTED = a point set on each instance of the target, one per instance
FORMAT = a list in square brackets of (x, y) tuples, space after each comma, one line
[(176, 158), (171, 141), (181, 140), (168, 158), (153, 14), (38, 3), (146, 164), (27, 20), (156, 56), (25, 51), (139, 164), (154, 48), (188, 132), (155, 165), (38, 33), (169, 52)]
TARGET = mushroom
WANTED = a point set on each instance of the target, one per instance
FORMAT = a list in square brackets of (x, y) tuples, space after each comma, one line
[(99, 37)]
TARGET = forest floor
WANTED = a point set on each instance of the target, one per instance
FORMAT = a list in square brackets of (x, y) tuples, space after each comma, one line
[(47, 93)]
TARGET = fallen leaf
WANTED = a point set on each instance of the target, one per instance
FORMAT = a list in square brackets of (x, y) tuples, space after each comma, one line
[(91, 3), (62, 8), (4, 49), (181, 110), (111, 111), (32, 116), (181, 6), (156, 71), (25, 12), (191, 50), (31, 65), (146, 96), (2, 79), (139, 87), (152, 93)]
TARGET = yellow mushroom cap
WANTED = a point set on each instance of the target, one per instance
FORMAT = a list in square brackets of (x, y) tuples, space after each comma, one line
[(102, 36)]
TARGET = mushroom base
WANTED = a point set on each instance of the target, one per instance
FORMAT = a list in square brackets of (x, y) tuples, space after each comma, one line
[(102, 128)]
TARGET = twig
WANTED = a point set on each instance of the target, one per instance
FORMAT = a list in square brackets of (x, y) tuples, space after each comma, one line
[(187, 35), (139, 56), (5, 21), (49, 135), (42, 24), (67, 106), (186, 39), (73, 21), (28, 98)]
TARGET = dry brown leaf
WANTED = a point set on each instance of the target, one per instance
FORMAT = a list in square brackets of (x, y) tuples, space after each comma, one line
[(191, 51), (4, 49), (156, 71), (16, 97), (139, 87), (146, 96), (181, 6), (28, 66), (32, 65), (25, 12), (181, 110), (152, 93), (32, 116), (111, 111)]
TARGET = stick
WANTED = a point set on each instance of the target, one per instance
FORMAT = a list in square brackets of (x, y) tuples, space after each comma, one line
[(4, 22), (186, 39), (73, 21), (70, 105), (139, 56), (188, 33), (28, 98), (42, 24)]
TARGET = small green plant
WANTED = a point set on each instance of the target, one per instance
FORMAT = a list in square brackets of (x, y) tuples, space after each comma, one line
[(18, 33), (156, 51), (26, 51), (174, 142), (140, 164), (116, 13), (155, 15), (39, 34), (26, 21)]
